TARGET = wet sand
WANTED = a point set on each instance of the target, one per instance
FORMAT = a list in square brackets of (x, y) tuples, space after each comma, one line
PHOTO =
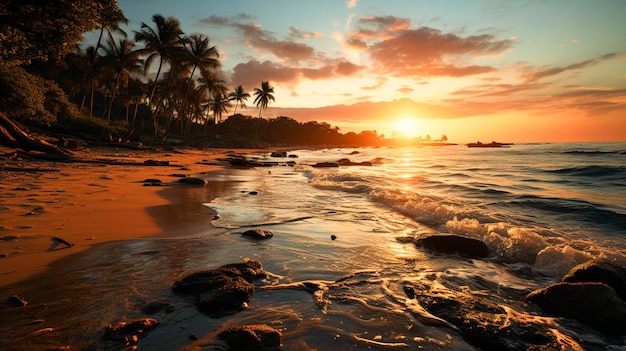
[(90, 203)]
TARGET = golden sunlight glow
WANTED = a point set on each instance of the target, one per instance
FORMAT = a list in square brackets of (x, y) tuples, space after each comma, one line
[(407, 127)]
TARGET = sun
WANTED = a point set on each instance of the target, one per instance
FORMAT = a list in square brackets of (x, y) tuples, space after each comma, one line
[(407, 127)]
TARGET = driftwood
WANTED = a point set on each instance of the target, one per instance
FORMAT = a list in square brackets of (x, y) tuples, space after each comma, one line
[(13, 136)]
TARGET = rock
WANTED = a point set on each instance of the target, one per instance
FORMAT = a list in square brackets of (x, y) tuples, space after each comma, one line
[(594, 304), (325, 164), (597, 271), (130, 332), (452, 243), (333, 237), (192, 181), (347, 162), (224, 290), (17, 301), (253, 193), (279, 154), (151, 180), (156, 163), (257, 337), (480, 321), (258, 233)]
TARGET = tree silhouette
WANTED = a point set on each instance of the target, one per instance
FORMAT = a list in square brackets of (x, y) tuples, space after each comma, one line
[(263, 96)]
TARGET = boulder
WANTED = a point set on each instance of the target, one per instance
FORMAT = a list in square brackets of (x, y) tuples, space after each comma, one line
[(258, 337), (258, 233), (279, 154), (594, 304), (224, 290), (130, 332), (597, 271), (452, 243)]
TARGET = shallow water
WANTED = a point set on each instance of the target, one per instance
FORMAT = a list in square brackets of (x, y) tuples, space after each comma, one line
[(541, 208)]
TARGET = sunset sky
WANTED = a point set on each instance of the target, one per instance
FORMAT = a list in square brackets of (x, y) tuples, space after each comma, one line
[(545, 70)]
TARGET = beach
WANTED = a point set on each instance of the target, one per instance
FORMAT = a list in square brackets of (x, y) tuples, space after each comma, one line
[(90, 203), (345, 267)]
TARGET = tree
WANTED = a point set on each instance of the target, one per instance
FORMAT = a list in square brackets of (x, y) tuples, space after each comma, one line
[(263, 96), (164, 41), (35, 30), (239, 96), (123, 61)]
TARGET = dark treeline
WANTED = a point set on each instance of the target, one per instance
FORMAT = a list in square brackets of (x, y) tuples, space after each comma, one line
[(104, 90)]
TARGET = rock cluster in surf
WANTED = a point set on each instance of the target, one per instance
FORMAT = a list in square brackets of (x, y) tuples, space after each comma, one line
[(593, 293)]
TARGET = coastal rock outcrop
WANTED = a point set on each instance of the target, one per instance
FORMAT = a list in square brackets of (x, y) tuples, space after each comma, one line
[(224, 290), (452, 243), (594, 304), (479, 320), (258, 234), (258, 337), (598, 271)]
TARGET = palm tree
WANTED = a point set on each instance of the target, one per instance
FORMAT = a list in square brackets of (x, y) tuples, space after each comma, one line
[(165, 41), (197, 55), (123, 61), (263, 96), (219, 105), (240, 96)]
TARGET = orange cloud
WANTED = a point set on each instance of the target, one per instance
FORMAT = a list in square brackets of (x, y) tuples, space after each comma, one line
[(396, 49)]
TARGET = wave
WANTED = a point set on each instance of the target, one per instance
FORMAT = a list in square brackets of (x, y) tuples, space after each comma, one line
[(594, 152), (592, 171)]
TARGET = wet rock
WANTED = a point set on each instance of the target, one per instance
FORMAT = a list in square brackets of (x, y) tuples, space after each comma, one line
[(347, 162), (17, 301), (258, 337), (325, 164), (452, 243), (130, 332), (224, 290), (479, 320), (597, 271), (594, 304), (192, 181), (258, 233), (156, 163)]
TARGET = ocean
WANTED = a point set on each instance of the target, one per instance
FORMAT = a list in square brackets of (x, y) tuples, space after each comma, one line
[(540, 208)]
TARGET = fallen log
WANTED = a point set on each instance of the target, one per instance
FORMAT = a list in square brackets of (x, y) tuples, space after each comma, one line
[(13, 136)]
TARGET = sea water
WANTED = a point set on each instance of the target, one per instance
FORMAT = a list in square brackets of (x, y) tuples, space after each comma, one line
[(540, 208)]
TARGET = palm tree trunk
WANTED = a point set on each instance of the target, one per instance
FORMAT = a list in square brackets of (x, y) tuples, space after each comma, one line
[(155, 117), (117, 82)]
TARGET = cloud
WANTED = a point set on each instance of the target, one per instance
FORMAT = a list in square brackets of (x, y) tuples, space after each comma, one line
[(249, 74), (264, 41), (396, 49), (352, 3), (552, 71)]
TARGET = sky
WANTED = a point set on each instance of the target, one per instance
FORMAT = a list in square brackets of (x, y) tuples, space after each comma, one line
[(505, 70)]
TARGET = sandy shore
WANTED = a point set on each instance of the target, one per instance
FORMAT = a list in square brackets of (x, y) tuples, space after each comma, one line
[(91, 203)]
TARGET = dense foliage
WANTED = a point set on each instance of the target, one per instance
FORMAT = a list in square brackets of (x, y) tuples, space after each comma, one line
[(48, 30)]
